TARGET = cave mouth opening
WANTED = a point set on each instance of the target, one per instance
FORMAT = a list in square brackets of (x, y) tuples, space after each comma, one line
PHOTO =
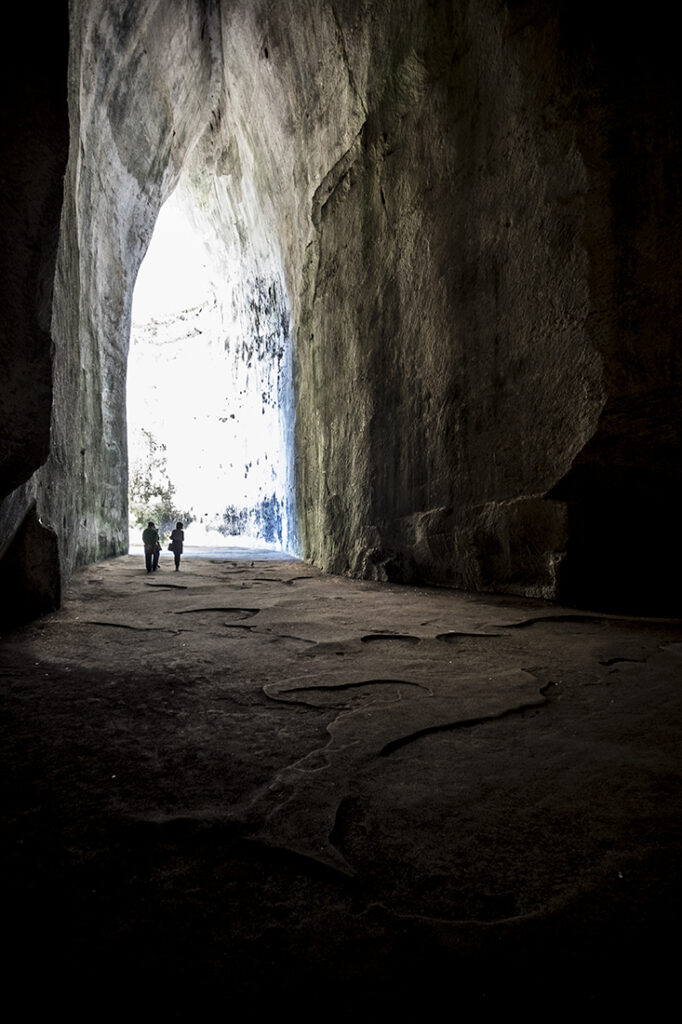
[(208, 391)]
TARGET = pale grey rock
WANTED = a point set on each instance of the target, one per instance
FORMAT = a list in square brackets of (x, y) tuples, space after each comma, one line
[(139, 93)]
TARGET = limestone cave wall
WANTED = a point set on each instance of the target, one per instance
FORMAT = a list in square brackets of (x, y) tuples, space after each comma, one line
[(472, 209), (139, 92)]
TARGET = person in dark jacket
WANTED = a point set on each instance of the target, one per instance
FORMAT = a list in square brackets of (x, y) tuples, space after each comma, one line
[(177, 537), (150, 539)]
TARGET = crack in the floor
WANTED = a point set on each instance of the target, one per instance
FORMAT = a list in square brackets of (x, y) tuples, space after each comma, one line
[(275, 579), (245, 612), (337, 688), (455, 922), (404, 637), (117, 625), (617, 661), (298, 807), (289, 636), (592, 618), (462, 723), (452, 636), (524, 623), (167, 586)]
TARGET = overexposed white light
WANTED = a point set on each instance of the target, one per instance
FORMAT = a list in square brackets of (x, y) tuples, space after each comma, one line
[(189, 384), (176, 271)]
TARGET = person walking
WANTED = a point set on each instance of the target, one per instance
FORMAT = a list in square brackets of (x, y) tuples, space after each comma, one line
[(150, 539), (176, 544)]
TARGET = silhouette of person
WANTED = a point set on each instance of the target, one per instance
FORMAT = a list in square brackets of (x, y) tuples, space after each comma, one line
[(150, 539), (177, 537)]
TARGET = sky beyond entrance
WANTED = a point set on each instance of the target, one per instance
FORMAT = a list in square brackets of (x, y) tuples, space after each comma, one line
[(218, 417)]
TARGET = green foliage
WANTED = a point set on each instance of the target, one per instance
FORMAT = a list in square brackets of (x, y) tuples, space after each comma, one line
[(150, 492)]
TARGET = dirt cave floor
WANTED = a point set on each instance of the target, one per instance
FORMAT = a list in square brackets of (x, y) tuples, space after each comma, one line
[(251, 784)]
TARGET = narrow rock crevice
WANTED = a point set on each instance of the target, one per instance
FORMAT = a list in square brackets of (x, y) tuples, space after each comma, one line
[(464, 723)]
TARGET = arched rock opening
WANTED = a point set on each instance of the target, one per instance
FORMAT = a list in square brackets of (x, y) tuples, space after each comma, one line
[(209, 388), (473, 209)]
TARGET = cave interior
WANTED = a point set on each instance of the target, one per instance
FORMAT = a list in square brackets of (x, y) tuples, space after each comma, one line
[(460, 229), (448, 233)]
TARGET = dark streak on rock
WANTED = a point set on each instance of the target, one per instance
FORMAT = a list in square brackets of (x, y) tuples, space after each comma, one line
[(337, 689), (556, 618), (118, 625), (462, 723), (453, 636), (616, 661), (273, 579), (247, 612), (404, 637), (604, 619), (290, 636), (167, 586), (354, 686)]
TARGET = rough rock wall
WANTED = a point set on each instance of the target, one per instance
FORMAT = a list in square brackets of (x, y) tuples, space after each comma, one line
[(477, 209), (139, 87), (468, 382), (473, 209), (428, 203), (495, 302)]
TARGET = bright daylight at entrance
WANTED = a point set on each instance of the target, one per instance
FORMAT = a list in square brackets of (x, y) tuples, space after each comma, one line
[(207, 393)]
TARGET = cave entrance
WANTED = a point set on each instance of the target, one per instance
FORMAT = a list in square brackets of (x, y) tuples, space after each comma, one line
[(208, 391)]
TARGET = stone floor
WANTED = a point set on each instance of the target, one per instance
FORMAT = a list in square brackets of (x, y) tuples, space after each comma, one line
[(248, 784)]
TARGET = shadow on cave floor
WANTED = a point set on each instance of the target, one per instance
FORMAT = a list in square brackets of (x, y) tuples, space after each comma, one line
[(220, 795)]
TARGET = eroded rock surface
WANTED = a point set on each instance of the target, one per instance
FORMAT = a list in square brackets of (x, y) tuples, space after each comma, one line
[(223, 795)]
